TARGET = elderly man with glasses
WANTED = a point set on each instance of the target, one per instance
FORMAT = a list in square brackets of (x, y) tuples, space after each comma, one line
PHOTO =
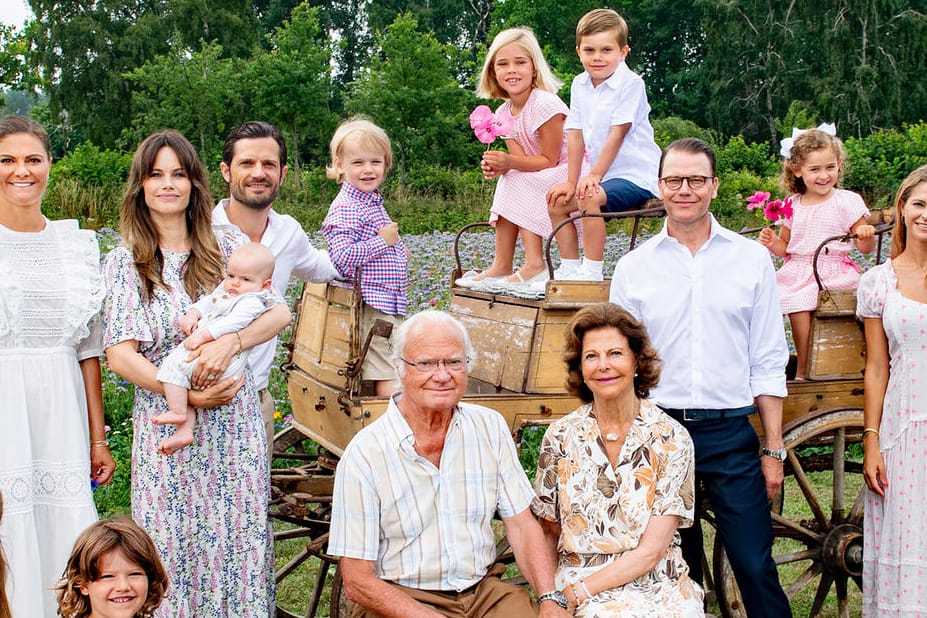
[(709, 301), (416, 492)]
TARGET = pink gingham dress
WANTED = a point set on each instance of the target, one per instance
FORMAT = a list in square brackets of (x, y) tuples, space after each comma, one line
[(521, 197), (810, 225)]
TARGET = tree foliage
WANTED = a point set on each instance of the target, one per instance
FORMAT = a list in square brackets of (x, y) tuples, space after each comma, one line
[(409, 91)]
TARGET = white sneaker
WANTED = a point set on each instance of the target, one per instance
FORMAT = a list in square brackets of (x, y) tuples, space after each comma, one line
[(472, 279), (587, 275)]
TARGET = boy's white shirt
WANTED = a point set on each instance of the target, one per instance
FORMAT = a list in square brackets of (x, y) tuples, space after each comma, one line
[(621, 99)]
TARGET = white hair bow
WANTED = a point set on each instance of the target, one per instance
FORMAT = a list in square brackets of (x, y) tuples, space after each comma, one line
[(786, 144)]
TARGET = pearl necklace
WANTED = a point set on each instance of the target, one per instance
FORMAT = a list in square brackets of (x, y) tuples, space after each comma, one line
[(611, 437)]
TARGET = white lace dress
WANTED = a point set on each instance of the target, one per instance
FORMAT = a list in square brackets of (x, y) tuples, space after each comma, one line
[(51, 292)]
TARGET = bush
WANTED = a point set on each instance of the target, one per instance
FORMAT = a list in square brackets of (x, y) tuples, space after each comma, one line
[(736, 155), (879, 162), (731, 206), (668, 130)]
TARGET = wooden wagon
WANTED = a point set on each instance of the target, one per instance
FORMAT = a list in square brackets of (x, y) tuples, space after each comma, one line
[(518, 372)]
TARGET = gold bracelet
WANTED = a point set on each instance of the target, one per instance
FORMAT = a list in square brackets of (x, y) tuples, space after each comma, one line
[(240, 347), (99, 443), (870, 430)]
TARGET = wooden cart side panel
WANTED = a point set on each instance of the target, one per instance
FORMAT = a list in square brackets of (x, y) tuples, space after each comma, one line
[(502, 335), (837, 339), (322, 342), (547, 373)]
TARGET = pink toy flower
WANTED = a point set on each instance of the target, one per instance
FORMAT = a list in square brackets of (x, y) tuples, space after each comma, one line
[(757, 200)]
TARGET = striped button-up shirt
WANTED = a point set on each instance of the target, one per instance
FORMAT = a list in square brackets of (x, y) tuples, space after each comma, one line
[(426, 527)]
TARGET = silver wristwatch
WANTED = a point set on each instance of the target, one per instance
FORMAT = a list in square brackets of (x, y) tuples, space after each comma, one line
[(780, 453), (556, 596)]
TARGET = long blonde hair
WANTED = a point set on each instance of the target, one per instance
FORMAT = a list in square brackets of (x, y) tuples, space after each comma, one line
[(899, 242), (203, 270), (544, 78)]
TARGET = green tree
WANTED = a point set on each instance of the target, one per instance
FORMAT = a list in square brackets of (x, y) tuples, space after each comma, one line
[(293, 82), (200, 94), (407, 88)]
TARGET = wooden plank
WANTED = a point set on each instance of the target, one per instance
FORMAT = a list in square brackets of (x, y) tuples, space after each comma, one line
[(547, 373), (575, 294), (836, 303), (501, 333), (837, 349)]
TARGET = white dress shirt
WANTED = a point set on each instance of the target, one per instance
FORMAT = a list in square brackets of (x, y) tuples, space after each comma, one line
[(621, 99), (713, 317), (294, 256)]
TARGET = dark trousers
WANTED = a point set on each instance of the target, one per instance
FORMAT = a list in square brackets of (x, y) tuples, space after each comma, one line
[(727, 472)]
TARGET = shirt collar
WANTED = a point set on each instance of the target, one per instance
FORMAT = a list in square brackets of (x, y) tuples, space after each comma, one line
[(612, 82), (716, 231), (361, 196)]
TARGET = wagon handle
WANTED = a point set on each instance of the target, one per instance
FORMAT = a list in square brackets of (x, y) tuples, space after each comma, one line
[(460, 233), (879, 231), (655, 211)]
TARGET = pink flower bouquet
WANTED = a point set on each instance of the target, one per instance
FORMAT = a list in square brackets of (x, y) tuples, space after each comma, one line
[(488, 126), (775, 210)]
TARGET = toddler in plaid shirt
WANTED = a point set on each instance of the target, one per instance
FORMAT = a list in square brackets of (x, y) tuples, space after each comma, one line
[(360, 234)]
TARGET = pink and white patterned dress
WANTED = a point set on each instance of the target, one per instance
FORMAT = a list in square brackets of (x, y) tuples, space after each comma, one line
[(811, 225), (206, 505), (895, 530), (521, 197)]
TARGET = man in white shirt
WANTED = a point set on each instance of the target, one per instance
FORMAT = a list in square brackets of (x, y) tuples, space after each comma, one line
[(416, 491), (709, 300), (254, 165)]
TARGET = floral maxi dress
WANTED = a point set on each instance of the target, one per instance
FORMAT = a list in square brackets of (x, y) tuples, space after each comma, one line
[(50, 297), (603, 510), (206, 505), (895, 530)]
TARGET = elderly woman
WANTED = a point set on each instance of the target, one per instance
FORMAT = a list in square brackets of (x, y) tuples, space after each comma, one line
[(52, 434), (205, 506), (615, 478)]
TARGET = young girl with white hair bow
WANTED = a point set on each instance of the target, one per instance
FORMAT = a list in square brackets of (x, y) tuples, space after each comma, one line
[(811, 170)]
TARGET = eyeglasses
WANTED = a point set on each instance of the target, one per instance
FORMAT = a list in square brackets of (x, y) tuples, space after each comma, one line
[(674, 183), (454, 365)]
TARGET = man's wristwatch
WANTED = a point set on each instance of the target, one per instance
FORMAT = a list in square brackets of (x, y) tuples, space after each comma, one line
[(779, 453), (556, 596)]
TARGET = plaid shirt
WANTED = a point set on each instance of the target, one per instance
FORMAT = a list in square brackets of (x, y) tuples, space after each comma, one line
[(350, 229), (426, 527)]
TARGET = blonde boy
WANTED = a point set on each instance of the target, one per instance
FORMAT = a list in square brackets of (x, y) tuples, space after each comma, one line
[(608, 123)]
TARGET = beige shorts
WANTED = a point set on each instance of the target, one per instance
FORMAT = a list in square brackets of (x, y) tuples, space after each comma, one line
[(378, 365)]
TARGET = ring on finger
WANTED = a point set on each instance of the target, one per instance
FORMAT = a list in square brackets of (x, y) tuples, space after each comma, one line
[(211, 376)]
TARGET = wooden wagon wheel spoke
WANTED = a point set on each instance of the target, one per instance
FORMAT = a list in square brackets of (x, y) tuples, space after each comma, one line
[(842, 607), (855, 515), (796, 556), (808, 575), (821, 595), (806, 488), (796, 527), (839, 468)]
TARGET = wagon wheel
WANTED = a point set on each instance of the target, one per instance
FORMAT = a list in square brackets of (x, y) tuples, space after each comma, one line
[(300, 508), (818, 535), (338, 601)]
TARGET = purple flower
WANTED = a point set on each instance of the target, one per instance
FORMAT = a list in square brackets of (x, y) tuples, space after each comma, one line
[(757, 200), (778, 210)]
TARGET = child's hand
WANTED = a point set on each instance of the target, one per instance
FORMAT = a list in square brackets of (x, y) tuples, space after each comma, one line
[(189, 320), (389, 233), (767, 237), (588, 186), (560, 194), (197, 339), (496, 161), (864, 231)]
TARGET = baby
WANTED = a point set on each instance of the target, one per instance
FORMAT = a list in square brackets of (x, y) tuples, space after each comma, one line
[(245, 293)]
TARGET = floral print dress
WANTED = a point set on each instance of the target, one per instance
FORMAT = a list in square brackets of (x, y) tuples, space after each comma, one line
[(603, 510), (206, 505)]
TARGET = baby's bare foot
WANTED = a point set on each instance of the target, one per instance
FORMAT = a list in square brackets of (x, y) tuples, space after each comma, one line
[(176, 442)]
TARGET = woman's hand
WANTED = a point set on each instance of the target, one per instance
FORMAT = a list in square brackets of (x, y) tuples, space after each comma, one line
[(214, 358), (102, 464), (218, 394), (874, 470)]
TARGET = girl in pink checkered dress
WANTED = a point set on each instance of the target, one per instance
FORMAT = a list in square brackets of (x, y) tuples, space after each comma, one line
[(811, 170), (515, 70)]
